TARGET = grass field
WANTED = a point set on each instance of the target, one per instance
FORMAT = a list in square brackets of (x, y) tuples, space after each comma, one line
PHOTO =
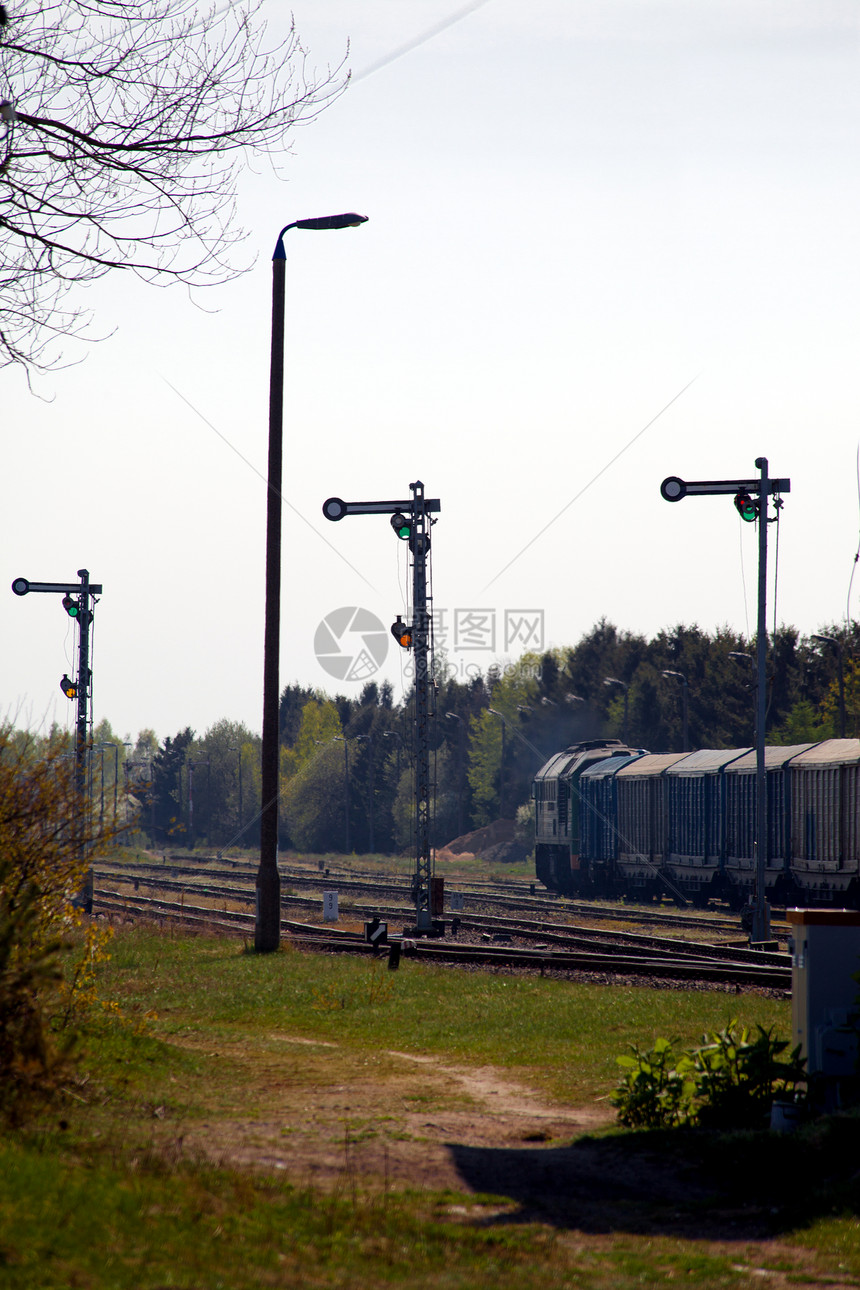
[(315, 1121)]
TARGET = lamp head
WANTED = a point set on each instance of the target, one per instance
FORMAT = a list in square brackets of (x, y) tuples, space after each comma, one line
[(332, 221), (349, 220)]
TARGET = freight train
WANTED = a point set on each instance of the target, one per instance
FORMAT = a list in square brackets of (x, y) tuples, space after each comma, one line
[(617, 821)]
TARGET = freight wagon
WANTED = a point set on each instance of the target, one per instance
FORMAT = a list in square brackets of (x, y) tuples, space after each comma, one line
[(612, 820)]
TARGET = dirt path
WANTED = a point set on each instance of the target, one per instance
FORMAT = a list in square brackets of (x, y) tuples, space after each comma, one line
[(396, 1126), (408, 1121)]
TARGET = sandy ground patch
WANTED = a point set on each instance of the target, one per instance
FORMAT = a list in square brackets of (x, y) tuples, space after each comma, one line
[(394, 1123)]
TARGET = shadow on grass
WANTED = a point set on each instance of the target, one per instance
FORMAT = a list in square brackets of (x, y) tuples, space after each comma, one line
[(687, 1182)]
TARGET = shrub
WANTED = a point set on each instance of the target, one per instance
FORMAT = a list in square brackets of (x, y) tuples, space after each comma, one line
[(47, 841), (655, 1090), (729, 1082), (738, 1077)]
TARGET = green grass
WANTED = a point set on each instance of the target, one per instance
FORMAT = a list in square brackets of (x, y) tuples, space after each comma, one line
[(102, 1193), (564, 1038)]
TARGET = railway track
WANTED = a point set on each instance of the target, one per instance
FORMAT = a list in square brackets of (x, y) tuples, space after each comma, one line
[(222, 880), (561, 950)]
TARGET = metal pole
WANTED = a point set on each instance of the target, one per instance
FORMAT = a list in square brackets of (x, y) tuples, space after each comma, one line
[(501, 763), (191, 806), (761, 915), (461, 769), (267, 929), (838, 646), (502, 771), (84, 677), (241, 812), (342, 739), (452, 716), (685, 710), (420, 646), (372, 786), (115, 779), (369, 738), (686, 697)]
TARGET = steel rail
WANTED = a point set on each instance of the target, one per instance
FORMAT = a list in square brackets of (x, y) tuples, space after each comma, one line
[(680, 967)]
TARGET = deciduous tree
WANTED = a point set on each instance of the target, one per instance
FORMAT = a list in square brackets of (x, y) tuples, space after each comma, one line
[(124, 125)]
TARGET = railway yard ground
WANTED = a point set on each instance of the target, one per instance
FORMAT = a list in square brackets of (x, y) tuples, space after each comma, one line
[(310, 1118)]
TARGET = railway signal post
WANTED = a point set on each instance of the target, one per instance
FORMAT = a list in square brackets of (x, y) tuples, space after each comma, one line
[(411, 522), (77, 598), (751, 501)]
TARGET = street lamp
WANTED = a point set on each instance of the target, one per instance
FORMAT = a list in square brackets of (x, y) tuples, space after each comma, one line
[(613, 680), (267, 928), (115, 748), (101, 751), (191, 764), (369, 739), (237, 748), (740, 656), (341, 739), (461, 730), (395, 734), (685, 695), (501, 763), (837, 645), (116, 779)]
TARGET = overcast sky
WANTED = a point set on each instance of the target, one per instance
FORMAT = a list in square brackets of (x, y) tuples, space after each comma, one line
[(584, 220)]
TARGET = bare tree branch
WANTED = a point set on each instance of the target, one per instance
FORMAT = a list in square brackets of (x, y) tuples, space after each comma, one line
[(124, 126)]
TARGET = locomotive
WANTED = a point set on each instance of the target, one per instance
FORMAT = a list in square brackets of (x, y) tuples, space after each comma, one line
[(611, 820)]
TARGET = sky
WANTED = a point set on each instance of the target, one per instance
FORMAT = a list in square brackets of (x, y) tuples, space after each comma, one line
[(606, 243)]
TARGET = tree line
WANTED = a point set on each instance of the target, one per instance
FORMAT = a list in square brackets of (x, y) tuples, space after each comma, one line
[(346, 763)]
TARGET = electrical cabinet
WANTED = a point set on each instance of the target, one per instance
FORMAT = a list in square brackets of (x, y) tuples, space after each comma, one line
[(825, 992)]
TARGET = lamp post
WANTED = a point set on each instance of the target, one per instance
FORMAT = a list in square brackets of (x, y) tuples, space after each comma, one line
[(501, 763), (341, 739), (395, 734), (237, 748), (191, 806), (267, 927), (837, 645), (686, 710), (461, 730), (740, 656), (101, 752), (371, 840), (208, 764), (115, 748), (613, 680), (116, 778)]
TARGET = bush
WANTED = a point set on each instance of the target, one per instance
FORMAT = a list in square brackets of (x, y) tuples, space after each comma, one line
[(655, 1091), (729, 1082), (47, 842)]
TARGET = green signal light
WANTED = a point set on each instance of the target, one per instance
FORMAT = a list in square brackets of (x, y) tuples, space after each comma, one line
[(402, 526), (71, 606), (746, 507)]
